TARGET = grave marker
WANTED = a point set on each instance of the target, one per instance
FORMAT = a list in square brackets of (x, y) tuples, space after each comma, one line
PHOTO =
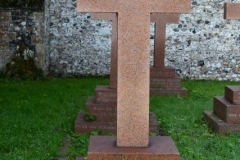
[(225, 116), (104, 104), (161, 20), (133, 80), (161, 77)]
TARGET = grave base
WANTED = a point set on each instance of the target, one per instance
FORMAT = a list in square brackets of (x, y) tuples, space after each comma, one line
[(82, 126), (177, 92), (164, 81), (218, 125), (104, 147), (106, 95), (103, 112)]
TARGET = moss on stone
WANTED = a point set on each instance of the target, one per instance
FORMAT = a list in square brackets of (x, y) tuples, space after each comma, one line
[(22, 66)]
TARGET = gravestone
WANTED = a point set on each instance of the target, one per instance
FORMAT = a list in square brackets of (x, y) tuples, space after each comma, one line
[(104, 105), (163, 79), (133, 81), (226, 110), (225, 116)]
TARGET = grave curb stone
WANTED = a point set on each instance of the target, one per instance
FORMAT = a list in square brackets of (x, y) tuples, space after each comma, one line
[(218, 125)]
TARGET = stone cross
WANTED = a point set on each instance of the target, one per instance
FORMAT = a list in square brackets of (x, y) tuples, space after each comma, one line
[(232, 11), (114, 47), (161, 20), (133, 61)]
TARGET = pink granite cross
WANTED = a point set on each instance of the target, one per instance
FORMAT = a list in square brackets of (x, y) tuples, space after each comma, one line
[(232, 11), (133, 61)]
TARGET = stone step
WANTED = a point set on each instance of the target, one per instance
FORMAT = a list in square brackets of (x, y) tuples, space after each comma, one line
[(106, 95), (158, 87), (218, 125), (166, 72), (82, 126), (103, 112), (160, 148), (169, 92), (225, 110), (232, 94), (166, 83)]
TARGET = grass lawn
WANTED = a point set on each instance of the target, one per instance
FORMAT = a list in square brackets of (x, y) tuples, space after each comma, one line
[(35, 116)]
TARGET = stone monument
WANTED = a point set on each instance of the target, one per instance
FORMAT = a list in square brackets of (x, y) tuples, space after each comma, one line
[(104, 105), (132, 140), (163, 79), (225, 116), (226, 110)]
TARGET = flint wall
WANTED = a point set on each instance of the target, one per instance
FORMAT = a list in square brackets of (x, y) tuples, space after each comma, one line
[(202, 46)]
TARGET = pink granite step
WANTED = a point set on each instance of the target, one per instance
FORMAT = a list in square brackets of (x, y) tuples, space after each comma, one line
[(105, 94), (82, 126)]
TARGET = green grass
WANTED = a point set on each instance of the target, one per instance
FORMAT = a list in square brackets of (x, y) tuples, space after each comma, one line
[(35, 116), (182, 119)]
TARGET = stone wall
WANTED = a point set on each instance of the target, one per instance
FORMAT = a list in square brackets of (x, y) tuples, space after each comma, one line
[(22, 25), (202, 46), (77, 44)]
